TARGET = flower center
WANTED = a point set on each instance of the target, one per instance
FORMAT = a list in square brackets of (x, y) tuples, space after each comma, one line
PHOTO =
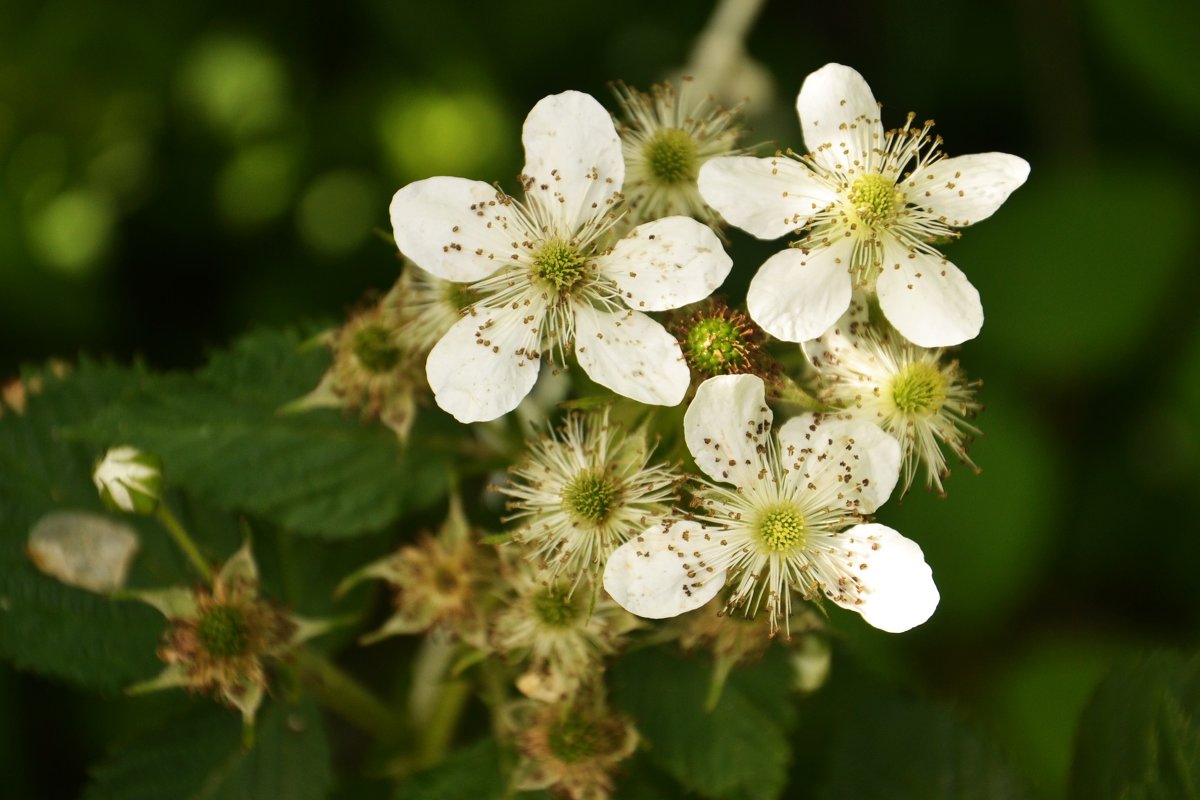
[(590, 497), (555, 607), (576, 738), (671, 154), (559, 265), (717, 346), (919, 389), (222, 632), (374, 349), (876, 200), (780, 528)]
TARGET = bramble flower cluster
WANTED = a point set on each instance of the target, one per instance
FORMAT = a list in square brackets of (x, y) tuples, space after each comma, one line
[(723, 464), (620, 221)]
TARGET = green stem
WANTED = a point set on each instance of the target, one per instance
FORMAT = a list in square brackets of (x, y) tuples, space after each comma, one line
[(185, 542), (439, 729), (345, 696)]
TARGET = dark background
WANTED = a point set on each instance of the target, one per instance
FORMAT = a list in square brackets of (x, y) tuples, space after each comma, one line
[(174, 174)]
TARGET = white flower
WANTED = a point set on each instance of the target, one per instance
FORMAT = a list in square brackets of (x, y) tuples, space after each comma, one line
[(544, 276), (666, 138), (873, 204), (790, 516), (915, 394), (129, 480), (580, 494)]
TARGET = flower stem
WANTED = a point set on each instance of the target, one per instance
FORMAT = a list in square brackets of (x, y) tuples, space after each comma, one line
[(185, 541), (722, 42), (439, 729), (345, 696)]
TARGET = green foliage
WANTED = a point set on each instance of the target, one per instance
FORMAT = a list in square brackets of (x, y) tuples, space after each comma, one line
[(200, 757), (1139, 737), (1051, 262), (472, 773), (45, 625), (220, 436), (894, 748), (1157, 39), (740, 750)]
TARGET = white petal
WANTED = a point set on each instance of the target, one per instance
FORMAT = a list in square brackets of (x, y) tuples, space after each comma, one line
[(927, 298), (766, 197), (843, 337), (481, 368), (631, 354), (839, 118), (885, 577), (82, 549), (725, 425), (442, 225), (796, 296), (651, 576), (966, 189), (666, 264), (572, 156), (851, 461)]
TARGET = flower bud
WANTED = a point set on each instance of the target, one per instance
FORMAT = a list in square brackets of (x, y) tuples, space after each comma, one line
[(129, 480)]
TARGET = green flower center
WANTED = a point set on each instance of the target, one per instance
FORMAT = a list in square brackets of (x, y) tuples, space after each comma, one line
[(717, 346), (672, 156), (919, 389), (876, 200), (576, 738), (222, 632), (374, 349), (559, 265), (590, 497), (780, 528), (555, 607)]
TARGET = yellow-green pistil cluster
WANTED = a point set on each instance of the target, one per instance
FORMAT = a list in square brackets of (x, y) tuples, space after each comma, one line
[(780, 528), (556, 607), (919, 390), (559, 265), (222, 631), (672, 156), (375, 350), (717, 345), (590, 498), (876, 200)]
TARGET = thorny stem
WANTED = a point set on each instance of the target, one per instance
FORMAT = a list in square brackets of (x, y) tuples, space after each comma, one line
[(345, 696), (185, 542)]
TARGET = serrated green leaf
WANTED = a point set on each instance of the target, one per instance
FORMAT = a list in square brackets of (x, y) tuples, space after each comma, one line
[(740, 750), (200, 757), (45, 625), (1139, 737), (220, 437)]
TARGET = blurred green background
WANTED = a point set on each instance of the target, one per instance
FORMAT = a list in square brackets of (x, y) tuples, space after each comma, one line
[(173, 174)]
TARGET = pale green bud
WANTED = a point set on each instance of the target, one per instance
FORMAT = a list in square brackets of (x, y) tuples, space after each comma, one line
[(129, 480)]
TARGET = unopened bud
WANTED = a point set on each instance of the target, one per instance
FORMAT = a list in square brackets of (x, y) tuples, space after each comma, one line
[(129, 480)]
